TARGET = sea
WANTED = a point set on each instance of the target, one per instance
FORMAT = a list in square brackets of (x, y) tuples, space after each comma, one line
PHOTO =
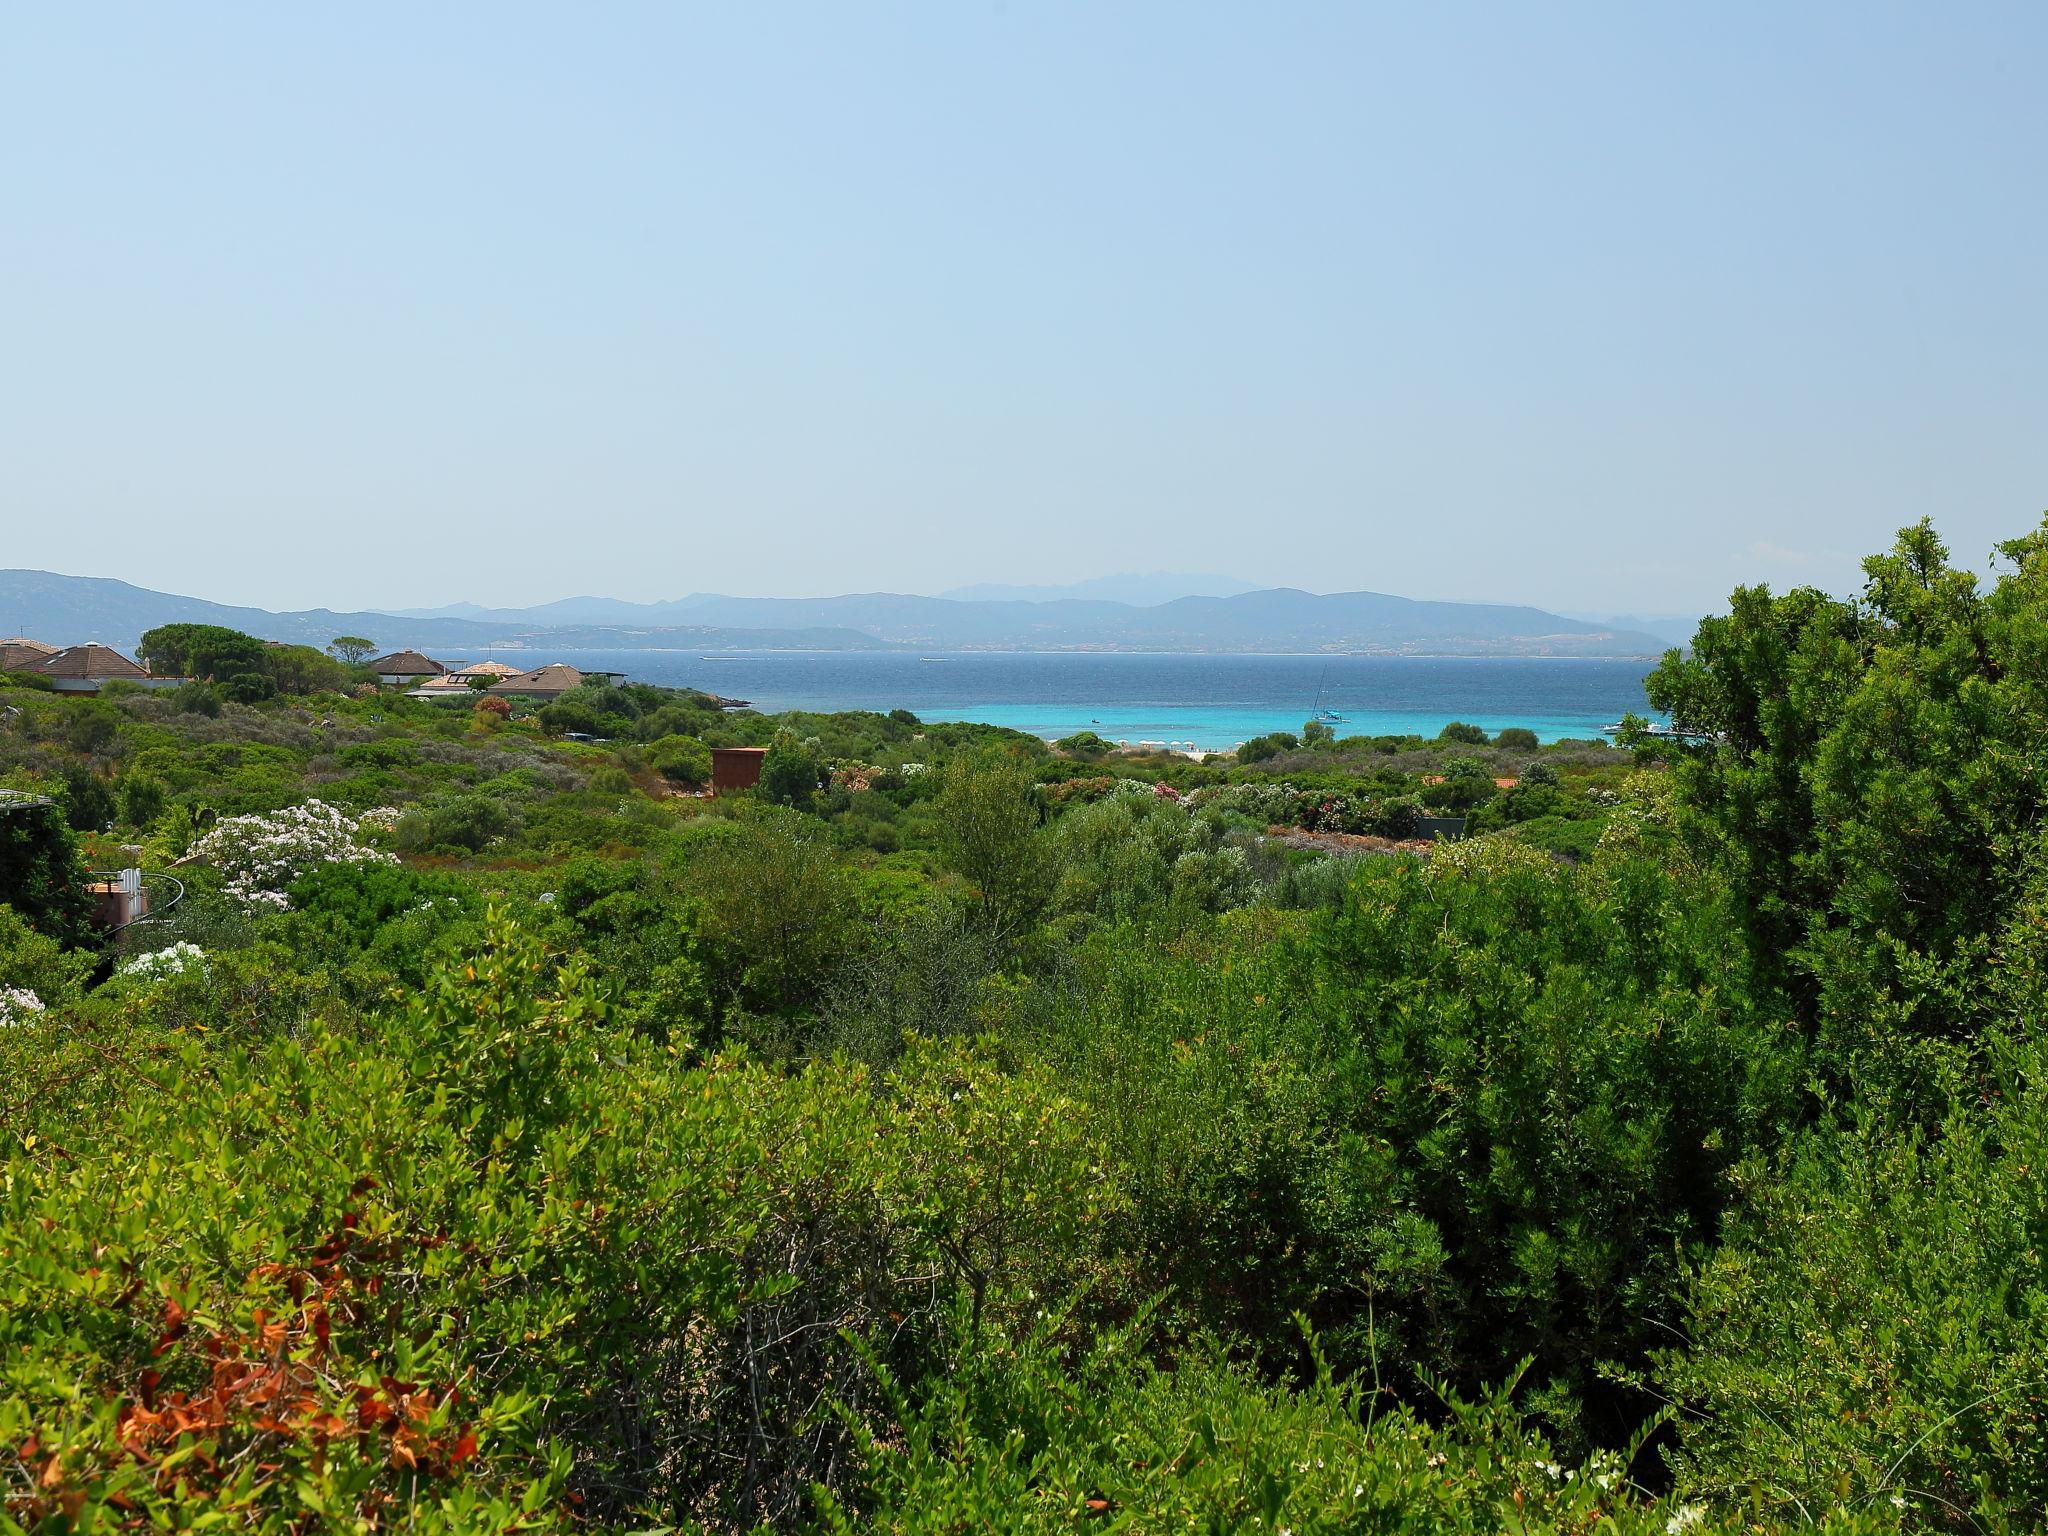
[(1191, 702)]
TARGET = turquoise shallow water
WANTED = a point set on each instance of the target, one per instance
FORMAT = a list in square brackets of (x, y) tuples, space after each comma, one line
[(1210, 702)]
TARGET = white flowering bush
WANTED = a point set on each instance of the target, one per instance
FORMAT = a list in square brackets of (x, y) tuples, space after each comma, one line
[(18, 1005), (1265, 804), (1645, 815), (260, 856), (162, 964), (1488, 858)]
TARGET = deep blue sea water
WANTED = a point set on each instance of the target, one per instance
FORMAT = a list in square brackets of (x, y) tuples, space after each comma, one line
[(1210, 702)]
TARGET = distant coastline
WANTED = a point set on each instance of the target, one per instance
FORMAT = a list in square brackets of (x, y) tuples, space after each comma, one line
[(1211, 700)]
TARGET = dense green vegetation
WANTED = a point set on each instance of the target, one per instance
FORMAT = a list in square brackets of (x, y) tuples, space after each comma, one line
[(957, 1133)]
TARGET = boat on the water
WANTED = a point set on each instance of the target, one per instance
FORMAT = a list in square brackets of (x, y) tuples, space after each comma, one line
[(1655, 728), (1323, 715)]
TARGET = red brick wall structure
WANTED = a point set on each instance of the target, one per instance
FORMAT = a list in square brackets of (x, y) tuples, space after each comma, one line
[(735, 768)]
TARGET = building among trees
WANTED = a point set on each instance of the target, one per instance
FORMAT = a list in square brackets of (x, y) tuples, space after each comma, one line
[(463, 681), (405, 667), (20, 653), (90, 667), (549, 682), (736, 768)]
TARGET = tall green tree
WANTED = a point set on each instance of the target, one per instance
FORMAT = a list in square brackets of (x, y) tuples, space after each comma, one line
[(1875, 779), (209, 651), (301, 669)]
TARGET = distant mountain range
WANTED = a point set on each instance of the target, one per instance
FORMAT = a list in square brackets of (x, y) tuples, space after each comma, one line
[(1137, 590), (70, 609), (1140, 590)]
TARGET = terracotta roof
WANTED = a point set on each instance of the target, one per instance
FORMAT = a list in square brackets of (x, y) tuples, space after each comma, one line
[(89, 660), (485, 669), (407, 664), (19, 653), (553, 678)]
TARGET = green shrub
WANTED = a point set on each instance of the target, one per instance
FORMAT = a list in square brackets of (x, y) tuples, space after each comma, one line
[(1399, 817), (91, 726), (143, 798), (488, 1255), (680, 759), (1875, 1327), (88, 799), (249, 687), (195, 698), (37, 963), (41, 877), (471, 822), (790, 771), (1028, 1442), (1574, 838), (1485, 1110), (775, 909)]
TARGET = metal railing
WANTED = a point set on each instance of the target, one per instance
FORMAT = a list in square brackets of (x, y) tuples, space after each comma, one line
[(149, 880)]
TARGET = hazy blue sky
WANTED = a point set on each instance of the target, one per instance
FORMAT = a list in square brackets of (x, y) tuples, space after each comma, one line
[(1600, 307)]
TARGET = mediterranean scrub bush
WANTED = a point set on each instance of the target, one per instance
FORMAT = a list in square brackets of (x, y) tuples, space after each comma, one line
[(486, 1258), (1876, 1327), (41, 877), (1484, 1111)]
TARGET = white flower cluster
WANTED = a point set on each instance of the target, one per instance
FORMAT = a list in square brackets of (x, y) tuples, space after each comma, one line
[(164, 963), (1645, 814), (17, 1004), (260, 856)]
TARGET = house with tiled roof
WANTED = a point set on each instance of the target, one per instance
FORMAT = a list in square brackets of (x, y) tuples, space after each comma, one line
[(463, 681), (549, 682), (19, 653), (90, 667), (405, 667)]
